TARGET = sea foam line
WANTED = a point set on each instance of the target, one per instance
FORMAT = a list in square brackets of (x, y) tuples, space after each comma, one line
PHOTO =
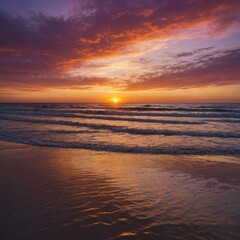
[(123, 149)]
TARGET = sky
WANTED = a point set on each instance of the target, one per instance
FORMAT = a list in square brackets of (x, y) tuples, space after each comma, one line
[(139, 50)]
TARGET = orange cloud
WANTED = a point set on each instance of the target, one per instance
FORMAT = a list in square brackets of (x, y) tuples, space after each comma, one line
[(39, 52)]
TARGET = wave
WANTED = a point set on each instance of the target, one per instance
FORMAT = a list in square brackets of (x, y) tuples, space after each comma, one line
[(111, 118), (123, 149), (126, 129), (128, 113)]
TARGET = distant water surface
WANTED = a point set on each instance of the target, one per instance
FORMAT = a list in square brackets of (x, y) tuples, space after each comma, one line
[(209, 129)]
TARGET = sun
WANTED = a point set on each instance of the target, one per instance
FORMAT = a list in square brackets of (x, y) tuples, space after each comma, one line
[(115, 100)]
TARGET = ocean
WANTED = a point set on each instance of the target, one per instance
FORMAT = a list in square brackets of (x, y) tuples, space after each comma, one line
[(126, 171), (192, 129)]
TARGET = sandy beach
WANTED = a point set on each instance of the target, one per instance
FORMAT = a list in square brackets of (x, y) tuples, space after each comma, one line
[(54, 193)]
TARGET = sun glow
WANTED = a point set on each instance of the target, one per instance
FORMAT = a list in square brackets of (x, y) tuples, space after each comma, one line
[(115, 100)]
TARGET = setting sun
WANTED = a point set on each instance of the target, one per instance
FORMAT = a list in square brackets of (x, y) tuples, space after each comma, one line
[(115, 100)]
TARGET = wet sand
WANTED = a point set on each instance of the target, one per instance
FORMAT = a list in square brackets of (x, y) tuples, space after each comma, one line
[(54, 193)]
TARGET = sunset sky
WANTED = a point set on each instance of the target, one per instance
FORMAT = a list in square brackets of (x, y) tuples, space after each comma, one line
[(136, 50)]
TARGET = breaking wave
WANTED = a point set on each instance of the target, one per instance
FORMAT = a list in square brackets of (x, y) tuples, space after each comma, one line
[(122, 149)]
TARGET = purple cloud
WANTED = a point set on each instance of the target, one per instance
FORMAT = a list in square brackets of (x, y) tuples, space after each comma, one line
[(39, 50), (209, 70)]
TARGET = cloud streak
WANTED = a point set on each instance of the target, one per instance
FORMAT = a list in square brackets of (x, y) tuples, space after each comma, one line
[(218, 69)]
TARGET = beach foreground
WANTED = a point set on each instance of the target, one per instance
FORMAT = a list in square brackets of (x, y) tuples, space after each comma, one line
[(56, 193)]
